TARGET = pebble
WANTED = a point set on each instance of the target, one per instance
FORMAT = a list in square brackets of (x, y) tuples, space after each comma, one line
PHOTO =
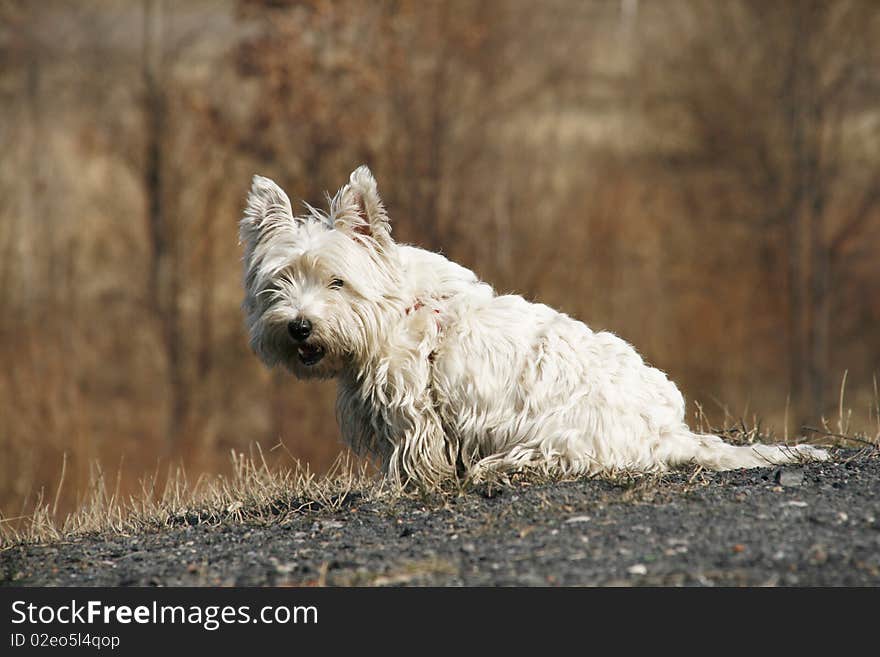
[(789, 477), (531, 579), (576, 519), (638, 569), (818, 554)]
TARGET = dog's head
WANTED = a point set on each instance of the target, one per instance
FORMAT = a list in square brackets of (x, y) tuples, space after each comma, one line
[(317, 285)]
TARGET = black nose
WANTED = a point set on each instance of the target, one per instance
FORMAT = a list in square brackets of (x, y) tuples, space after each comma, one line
[(300, 328)]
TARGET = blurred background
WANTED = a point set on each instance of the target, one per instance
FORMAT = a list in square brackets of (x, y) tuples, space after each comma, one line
[(702, 178)]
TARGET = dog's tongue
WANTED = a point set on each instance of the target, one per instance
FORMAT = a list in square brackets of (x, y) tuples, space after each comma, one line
[(310, 354)]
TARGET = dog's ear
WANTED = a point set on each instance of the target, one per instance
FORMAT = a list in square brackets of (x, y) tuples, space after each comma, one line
[(267, 205), (357, 208)]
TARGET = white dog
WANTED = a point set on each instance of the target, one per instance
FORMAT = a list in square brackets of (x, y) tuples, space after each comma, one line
[(439, 377)]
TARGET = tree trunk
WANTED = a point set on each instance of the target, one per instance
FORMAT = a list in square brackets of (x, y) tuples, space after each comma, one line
[(820, 264), (432, 162), (208, 281), (163, 283), (794, 230), (819, 326)]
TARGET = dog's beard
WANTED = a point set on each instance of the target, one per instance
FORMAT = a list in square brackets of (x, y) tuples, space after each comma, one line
[(312, 360), (327, 367)]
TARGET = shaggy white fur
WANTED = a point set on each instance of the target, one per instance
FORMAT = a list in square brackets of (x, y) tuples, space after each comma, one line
[(439, 377)]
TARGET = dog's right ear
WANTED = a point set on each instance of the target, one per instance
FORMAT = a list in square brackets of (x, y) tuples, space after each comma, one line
[(266, 202), (267, 205)]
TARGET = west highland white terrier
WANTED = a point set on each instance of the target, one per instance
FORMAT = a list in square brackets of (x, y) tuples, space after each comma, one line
[(440, 377)]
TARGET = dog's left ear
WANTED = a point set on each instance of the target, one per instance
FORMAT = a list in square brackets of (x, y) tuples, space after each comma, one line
[(357, 209)]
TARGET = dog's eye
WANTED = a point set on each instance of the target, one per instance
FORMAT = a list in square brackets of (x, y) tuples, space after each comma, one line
[(336, 283), (271, 291)]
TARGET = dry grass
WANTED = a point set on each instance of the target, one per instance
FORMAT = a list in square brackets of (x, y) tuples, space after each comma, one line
[(740, 431), (257, 493), (253, 493)]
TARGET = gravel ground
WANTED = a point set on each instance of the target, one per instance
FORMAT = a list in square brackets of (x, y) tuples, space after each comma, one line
[(816, 525)]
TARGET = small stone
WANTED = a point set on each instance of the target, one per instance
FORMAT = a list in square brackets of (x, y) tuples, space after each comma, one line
[(576, 519), (789, 477), (637, 569), (818, 554), (531, 579)]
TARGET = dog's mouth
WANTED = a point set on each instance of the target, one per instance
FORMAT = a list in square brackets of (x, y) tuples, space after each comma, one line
[(310, 354)]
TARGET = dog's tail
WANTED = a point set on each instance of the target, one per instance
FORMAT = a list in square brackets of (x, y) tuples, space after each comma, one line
[(713, 453)]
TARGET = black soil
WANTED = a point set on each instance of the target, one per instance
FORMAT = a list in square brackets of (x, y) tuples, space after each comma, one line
[(816, 525)]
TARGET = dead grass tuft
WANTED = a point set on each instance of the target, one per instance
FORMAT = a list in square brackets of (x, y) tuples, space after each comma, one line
[(253, 493)]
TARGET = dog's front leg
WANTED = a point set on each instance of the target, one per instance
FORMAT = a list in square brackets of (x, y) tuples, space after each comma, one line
[(421, 451), (403, 431)]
